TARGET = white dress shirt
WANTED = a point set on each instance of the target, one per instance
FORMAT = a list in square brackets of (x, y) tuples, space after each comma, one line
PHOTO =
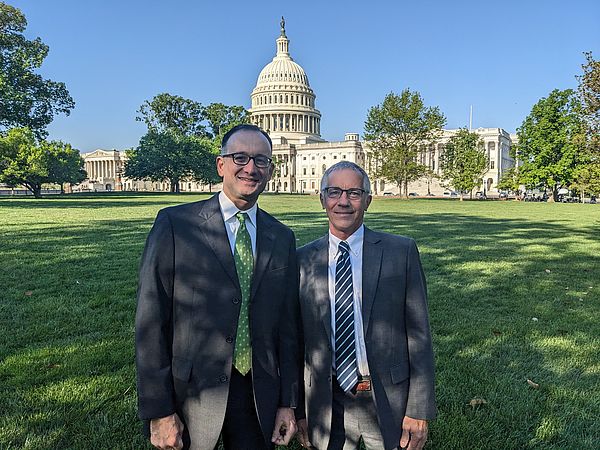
[(355, 241), (232, 224)]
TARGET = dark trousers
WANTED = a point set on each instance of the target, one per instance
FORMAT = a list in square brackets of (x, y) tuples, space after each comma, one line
[(241, 429), (353, 416)]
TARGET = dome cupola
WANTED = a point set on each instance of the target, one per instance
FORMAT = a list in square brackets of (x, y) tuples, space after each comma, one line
[(283, 103)]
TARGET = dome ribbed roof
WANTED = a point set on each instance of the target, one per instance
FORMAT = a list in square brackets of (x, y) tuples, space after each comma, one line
[(282, 69)]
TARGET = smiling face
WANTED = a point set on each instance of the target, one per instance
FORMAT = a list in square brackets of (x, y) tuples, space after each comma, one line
[(243, 184), (345, 215)]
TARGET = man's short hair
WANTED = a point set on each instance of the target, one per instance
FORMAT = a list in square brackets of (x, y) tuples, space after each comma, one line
[(244, 126), (366, 183)]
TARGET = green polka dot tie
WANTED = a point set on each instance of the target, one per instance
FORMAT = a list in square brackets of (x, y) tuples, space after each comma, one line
[(244, 264)]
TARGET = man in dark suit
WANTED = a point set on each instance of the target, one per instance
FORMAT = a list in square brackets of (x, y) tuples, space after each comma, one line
[(217, 323), (368, 354)]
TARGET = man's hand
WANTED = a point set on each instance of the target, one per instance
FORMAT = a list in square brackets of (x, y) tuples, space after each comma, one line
[(302, 434), (166, 432), (285, 426), (414, 433)]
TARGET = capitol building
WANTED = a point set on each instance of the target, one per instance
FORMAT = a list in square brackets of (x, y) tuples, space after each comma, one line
[(284, 105)]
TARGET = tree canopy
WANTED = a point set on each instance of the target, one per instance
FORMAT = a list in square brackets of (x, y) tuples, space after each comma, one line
[(464, 161), (182, 141), (166, 112), (27, 161), (551, 142), (170, 156), (26, 98), (587, 175), (395, 130)]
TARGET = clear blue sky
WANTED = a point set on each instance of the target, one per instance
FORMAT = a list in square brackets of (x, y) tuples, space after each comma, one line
[(501, 57)]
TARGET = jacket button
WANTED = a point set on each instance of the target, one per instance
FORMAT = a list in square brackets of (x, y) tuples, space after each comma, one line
[(229, 339), (223, 378), (236, 301)]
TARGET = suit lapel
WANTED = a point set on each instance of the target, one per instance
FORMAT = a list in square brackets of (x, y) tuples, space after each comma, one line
[(213, 228), (371, 267), (321, 282), (265, 240)]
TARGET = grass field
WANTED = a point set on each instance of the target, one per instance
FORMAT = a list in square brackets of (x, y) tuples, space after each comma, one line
[(514, 293)]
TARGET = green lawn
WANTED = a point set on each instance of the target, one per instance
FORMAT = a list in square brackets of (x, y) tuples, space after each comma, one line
[(514, 294)]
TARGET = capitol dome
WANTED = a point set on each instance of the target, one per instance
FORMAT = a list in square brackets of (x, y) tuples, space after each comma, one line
[(283, 103)]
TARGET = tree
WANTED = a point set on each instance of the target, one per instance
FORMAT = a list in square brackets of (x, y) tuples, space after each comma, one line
[(183, 140), (464, 161), (587, 175), (552, 142), (65, 165), (587, 179), (509, 181), (589, 94), (26, 98), (171, 156), (222, 118), (166, 112), (395, 130), (26, 161)]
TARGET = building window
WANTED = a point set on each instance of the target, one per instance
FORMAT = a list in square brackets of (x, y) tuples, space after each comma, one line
[(312, 170), (304, 158), (492, 164), (334, 156), (343, 156), (304, 171)]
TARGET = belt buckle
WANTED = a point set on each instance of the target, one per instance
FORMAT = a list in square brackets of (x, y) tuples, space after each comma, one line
[(364, 383)]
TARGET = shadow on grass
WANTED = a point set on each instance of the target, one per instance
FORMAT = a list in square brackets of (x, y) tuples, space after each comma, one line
[(66, 352)]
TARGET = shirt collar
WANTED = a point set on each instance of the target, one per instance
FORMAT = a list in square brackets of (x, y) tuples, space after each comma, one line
[(229, 209), (355, 242)]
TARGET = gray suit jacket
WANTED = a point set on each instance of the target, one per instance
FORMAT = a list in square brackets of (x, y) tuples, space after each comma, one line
[(396, 328), (187, 312)]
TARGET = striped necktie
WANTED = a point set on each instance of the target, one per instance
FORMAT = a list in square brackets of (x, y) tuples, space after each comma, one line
[(345, 350), (244, 265)]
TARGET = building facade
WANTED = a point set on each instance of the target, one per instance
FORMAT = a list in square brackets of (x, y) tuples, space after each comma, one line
[(284, 104)]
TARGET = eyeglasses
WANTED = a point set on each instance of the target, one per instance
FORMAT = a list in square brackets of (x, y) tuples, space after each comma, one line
[(336, 192), (241, 159)]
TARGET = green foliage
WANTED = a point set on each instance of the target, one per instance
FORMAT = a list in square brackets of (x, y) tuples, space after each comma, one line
[(183, 139), (67, 374), (552, 142), (394, 131), (26, 161), (509, 181), (166, 112), (589, 92), (66, 164), (464, 161), (222, 118), (26, 98), (587, 179), (167, 155)]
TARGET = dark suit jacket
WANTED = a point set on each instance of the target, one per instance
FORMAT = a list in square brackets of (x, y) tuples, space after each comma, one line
[(396, 328), (187, 313)]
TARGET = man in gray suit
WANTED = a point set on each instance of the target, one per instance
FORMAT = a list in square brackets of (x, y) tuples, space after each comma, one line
[(217, 323), (368, 354)]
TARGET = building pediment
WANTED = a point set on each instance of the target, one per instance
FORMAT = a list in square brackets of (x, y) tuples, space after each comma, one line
[(99, 153)]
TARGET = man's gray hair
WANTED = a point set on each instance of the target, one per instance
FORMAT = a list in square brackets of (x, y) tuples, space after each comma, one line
[(342, 165)]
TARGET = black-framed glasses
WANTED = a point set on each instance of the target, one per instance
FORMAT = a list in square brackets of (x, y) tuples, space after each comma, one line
[(241, 159), (334, 192)]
